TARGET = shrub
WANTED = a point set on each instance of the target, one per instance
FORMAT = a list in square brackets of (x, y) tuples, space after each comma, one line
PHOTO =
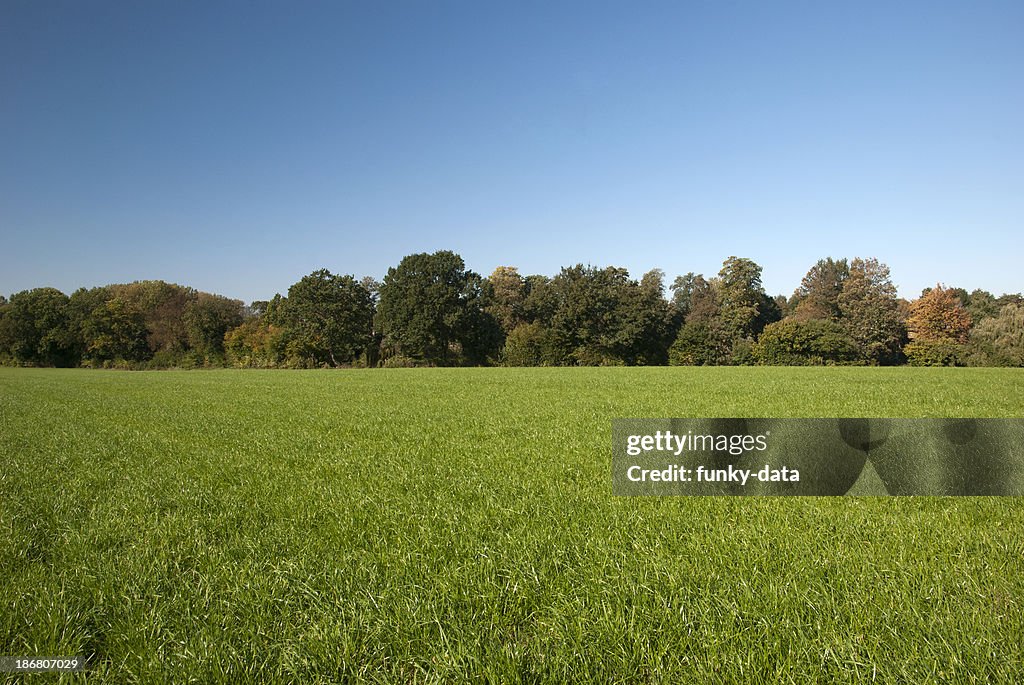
[(742, 353), (399, 361), (524, 346), (698, 345), (935, 353), (805, 343)]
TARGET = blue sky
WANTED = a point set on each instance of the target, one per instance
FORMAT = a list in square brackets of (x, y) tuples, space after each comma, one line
[(236, 147)]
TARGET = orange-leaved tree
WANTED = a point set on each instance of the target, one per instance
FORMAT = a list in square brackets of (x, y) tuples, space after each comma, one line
[(938, 327)]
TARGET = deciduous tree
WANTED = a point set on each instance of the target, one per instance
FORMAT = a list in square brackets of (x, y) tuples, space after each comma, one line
[(432, 309), (869, 312), (999, 340), (819, 291), (207, 319), (329, 318), (506, 296), (744, 308), (35, 329), (938, 315)]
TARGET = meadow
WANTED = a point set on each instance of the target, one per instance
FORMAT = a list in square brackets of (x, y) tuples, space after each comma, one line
[(457, 525)]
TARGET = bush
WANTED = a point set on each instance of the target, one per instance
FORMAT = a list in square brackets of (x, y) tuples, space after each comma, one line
[(698, 345), (935, 353), (399, 361), (524, 346), (742, 353), (255, 344), (805, 343), (531, 344), (586, 355)]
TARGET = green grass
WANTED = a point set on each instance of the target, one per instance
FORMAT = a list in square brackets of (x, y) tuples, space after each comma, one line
[(447, 525)]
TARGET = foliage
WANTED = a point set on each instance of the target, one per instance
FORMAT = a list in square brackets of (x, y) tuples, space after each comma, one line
[(741, 353), (650, 325), (114, 331), (811, 342), (869, 312), (161, 307), (329, 319), (207, 319), (981, 304), (255, 344), (703, 301), (698, 344), (784, 306), (507, 292), (938, 315), (684, 289), (819, 291), (34, 329), (938, 325), (930, 352), (745, 309), (432, 309), (529, 344), (600, 317), (722, 316), (999, 340)]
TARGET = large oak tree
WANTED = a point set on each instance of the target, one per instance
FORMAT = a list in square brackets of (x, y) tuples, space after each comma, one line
[(433, 310)]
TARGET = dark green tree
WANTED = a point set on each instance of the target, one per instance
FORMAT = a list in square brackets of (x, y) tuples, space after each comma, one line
[(785, 305), (433, 310), (602, 317), (207, 319), (703, 302), (699, 344), (805, 343), (744, 308), (256, 308), (329, 319), (540, 300), (529, 344), (112, 331), (162, 307), (274, 314), (701, 339), (683, 289), (650, 324), (81, 306), (35, 329)]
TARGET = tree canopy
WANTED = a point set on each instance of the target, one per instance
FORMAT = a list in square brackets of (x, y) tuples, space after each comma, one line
[(869, 311), (431, 309), (329, 319)]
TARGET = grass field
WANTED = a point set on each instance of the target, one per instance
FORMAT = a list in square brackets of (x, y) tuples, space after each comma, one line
[(447, 525)]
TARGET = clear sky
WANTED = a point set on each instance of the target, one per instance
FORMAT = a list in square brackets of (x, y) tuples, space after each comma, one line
[(237, 146)]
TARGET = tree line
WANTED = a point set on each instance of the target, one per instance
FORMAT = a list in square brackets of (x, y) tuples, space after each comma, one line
[(430, 310)]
